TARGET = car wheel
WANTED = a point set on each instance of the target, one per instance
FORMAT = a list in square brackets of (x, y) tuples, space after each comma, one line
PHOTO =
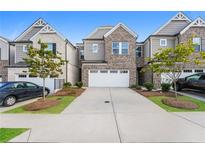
[(9, 101)]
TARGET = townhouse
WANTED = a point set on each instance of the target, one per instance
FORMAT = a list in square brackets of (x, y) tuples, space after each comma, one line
[(177, 30), (109, 57), (40, 29)]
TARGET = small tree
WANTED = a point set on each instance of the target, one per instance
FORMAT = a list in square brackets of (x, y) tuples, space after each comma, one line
[(172, 61), (43, 63)]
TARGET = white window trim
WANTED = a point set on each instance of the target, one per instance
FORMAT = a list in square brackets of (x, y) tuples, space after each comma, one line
[(24, 49), (97, 48), (199, 42), (120, 48), (163, 45)]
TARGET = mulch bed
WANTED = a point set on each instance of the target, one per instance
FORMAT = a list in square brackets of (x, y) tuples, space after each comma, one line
[(40, 104), (179, 103), (70, 92), (155, 93)]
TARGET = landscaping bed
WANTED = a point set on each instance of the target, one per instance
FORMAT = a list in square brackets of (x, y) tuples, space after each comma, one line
[(168, 102), (57, 105), (7, 134), (70, 92)]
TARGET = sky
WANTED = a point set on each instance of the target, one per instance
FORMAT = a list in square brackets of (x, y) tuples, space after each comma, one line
[(77, 25)]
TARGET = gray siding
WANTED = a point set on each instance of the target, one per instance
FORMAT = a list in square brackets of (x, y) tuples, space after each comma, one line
[(89, 55), (19, 54), (31, 33), (4, 50), (174, 27), (156, 43)]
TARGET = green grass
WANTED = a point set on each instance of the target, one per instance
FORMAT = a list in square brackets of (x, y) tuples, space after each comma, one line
[(157, 100), (64, 102), (7, 134)]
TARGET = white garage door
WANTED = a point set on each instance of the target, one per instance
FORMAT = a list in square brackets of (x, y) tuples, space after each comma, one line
[(108, 78)]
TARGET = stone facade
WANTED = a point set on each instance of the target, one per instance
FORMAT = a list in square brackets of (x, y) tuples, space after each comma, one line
[(3, 70), (116, 61)]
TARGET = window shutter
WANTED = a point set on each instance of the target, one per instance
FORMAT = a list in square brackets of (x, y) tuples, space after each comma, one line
[(54, 48)]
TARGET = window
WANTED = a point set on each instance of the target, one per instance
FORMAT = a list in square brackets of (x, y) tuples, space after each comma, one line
[(22, 75), (120, 48), (115, 48), (113, 71), (187, 71), (25, 48), (197, 43), (199, 71), (81, 54), (124, 71), (30, 85), (51, 47), (32, 76), (193, 77), (95, 48), (202, 77), (103, 71), (93, 71), (139, 52), (163, 42)]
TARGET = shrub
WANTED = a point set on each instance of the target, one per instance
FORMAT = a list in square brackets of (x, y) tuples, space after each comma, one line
[(149, 86), (165, 87), (67, 85), (79, 84), (135, 86)]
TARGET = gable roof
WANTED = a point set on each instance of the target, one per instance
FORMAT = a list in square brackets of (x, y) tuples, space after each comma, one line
[(198, 22), (31, 30), (4, 39), (174, 25), (99, 32), (123, 26)]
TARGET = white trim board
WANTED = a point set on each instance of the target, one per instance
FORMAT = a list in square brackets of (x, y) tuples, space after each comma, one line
[(198, 22), (117, 26), (176, 17)]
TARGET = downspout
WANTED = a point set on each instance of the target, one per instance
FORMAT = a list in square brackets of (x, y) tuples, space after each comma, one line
[(66, 66), (9, 54)]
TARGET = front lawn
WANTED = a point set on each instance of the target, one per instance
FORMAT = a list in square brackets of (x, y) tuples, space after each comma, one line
[(7, 134), (157, 100), (63, 103)]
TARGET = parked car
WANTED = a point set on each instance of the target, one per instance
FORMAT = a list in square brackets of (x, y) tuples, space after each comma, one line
[(11, 92), (195, 82)]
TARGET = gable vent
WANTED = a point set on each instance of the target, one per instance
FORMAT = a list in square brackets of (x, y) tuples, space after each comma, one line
[(199, 22), (47, 29), (180, 16), (39, 23)]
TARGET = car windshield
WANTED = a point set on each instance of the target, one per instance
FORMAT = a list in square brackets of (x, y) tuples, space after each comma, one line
[(2, 84)]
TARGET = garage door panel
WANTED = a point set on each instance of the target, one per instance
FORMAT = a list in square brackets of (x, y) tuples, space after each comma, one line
[(113, 78)]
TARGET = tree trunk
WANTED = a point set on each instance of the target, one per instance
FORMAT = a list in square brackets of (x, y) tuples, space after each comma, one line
[(44, 89), (175, 89)]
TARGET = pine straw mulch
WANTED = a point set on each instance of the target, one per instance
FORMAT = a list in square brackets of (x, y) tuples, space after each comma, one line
[(70, 92), (183, 104), (155, 93), (40, 104)]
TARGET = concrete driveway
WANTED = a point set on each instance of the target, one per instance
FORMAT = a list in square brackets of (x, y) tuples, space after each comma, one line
[(128, 117)]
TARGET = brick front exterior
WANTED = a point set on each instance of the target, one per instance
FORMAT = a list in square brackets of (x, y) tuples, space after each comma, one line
[(116, 61), (3, 70)]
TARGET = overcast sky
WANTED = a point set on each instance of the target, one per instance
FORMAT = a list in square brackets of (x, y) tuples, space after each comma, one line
[(77, 25)]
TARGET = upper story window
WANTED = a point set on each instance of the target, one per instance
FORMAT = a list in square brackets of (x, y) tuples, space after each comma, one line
[(81, 54), (51, 47), (95, 48), (197, 43), (139, 52), (25, 48), (120, 48), (163, 42)]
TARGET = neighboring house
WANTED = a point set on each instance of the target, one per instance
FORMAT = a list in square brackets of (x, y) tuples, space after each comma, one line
[(5, 50), (177, 30), (56, 43), (109, 57)]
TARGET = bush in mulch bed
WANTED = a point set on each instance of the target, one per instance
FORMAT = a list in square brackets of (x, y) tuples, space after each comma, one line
[(40, 104), (70, 92), (155, 93), (182, 104)]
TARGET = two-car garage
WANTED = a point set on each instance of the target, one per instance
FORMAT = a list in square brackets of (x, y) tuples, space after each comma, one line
[(108, 78)]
